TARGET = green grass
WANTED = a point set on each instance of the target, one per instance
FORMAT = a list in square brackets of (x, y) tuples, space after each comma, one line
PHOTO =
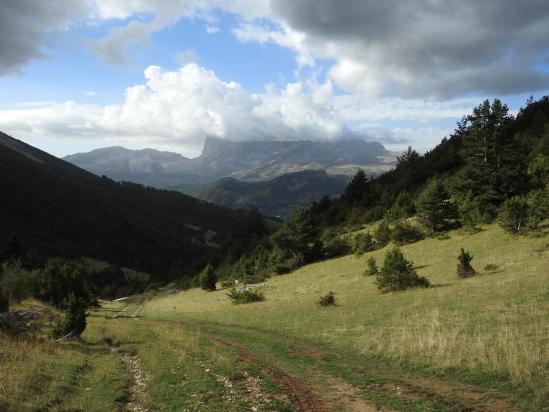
[(37, 373), (493, 327)]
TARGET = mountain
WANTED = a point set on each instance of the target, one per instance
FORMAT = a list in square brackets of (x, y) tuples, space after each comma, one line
[(274, 197), (249, 161), (54, 208)]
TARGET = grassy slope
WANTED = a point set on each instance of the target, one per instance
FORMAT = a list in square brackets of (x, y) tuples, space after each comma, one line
[(478, 344), (492, 327)]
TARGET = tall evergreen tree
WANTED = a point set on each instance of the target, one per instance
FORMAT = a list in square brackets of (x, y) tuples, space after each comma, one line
[(494, 160), (357, 189)]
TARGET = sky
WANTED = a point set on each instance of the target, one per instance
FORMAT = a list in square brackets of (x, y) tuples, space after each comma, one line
[(76, 75)]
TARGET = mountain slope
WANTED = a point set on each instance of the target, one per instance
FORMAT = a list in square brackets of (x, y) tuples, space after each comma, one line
[(275, 197), (55, 208), (220, 158)]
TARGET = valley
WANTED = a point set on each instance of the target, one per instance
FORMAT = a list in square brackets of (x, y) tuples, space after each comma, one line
[(473, 344)]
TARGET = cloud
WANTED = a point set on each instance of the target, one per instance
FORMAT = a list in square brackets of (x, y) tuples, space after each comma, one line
[(420, 48), (212, 29), (25, 26), (180, 108)]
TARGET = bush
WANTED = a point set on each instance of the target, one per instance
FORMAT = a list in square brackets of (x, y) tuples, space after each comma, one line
[(372, 269), (4, 303), (382, 234), (464, 268), (443, 236), (398, 273), (245, 295), (227, 283), (75, 318), (208, 278), (403, 233), (490, 267), (513, 214), (328, 299), (362, 243)]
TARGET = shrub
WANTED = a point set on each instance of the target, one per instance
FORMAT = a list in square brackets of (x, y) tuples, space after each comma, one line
[(227, 283), (382, 234), (335, 247), (75, 318), (362, 243), (490, 267), (513, 214), (403, 233), (372, 269), (328, 299), (398, 273), (464, 268), (245, 295), (443, 236), (208, 278)]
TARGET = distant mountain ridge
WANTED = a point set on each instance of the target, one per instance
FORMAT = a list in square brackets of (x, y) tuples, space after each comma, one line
[(249, 161), (274, 197)]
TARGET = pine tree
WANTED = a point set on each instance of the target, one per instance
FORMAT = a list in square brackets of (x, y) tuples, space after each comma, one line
[(494, 160), (357, 189), (296, 239), (398, 273), (464, 268), (434, 207), (208, 278)]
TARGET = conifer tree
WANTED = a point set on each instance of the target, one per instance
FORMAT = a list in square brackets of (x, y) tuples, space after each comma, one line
[(208, 278), (434, 207), (494, 160), (357, 189), (398, 273), (464, 268)]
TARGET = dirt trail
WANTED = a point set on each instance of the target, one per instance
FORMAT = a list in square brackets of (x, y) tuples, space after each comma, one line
[(330, 395), (317, 388), (140, 378), (139, 386)]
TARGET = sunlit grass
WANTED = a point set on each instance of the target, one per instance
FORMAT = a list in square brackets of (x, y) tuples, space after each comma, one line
[(496, 322)]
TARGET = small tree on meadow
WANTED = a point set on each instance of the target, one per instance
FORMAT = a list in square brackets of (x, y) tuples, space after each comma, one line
[(398, 273), (75, 318), (464, 268), (208, 278), (371, 269)]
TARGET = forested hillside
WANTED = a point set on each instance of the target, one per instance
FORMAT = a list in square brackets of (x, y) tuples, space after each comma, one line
[(51, 208), (494, 167)]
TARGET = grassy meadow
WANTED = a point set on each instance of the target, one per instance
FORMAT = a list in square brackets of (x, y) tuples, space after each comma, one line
[(494, 326), (477, 344)]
